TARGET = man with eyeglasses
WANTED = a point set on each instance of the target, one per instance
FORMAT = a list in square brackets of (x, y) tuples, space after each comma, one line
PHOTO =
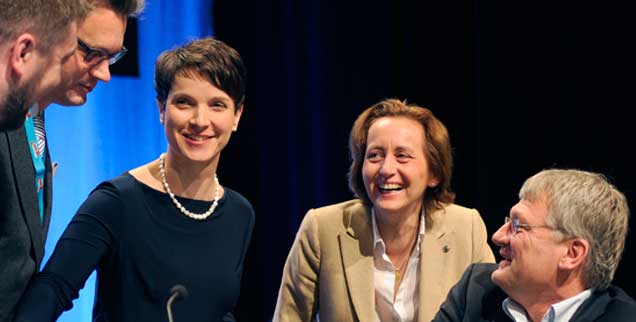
[(100, 39), (25, 166), (560, 247)]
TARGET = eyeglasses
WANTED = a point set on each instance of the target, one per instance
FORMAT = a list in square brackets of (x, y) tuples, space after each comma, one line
[(93, 56), (513, 229)]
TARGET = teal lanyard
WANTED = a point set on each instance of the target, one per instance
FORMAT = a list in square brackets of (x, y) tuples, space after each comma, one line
[(38, 162)]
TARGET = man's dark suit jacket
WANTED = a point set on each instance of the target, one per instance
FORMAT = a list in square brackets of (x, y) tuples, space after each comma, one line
[(22, 234), (475, 298)]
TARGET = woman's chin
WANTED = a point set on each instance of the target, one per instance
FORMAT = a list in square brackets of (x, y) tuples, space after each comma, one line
[(198, 155), (385, 207)]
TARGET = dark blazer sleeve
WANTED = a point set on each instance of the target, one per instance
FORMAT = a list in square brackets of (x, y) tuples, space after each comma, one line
[(454, 307), (22, 234), (474, 298)]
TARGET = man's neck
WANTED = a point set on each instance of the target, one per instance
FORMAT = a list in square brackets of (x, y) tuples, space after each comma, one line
[(44, 104), (538, 304), (536, 312), (4, 81), (397, 234)]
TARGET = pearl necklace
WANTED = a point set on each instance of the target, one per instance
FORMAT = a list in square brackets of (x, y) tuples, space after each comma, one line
[(217, 194)]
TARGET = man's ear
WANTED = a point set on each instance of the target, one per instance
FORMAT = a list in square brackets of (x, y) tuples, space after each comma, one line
[(22, 53), (578, 250)]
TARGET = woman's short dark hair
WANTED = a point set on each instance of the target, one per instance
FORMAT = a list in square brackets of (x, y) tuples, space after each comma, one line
[(438, 149), (205, 58)]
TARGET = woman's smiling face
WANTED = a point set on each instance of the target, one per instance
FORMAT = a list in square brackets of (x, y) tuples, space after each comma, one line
[(395, 170), (199, 119)]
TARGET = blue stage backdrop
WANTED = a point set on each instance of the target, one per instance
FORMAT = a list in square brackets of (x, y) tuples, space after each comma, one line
[(118, 129)]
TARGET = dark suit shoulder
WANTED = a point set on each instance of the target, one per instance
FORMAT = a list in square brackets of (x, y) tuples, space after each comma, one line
[(478, 281), (478, 270), (621, 307), (612, 304), (619, 296), (474, 298)]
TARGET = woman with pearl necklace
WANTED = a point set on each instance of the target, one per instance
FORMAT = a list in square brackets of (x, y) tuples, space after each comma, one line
[(169, 222)]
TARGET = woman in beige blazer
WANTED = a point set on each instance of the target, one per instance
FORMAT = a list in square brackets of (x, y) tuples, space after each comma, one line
[(393, 253)]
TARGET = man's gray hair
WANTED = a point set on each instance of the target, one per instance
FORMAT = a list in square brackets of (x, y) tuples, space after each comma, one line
[(584, 204)]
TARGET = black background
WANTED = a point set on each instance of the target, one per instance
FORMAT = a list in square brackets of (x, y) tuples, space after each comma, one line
[(520, 86)]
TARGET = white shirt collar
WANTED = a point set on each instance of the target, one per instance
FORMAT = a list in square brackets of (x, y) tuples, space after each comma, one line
[(558, 312), (400, 306), (35, 109), (377, 238)]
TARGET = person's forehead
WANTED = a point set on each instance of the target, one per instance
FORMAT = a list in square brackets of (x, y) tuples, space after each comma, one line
[(526, 209), (398, 125), (103, 28)]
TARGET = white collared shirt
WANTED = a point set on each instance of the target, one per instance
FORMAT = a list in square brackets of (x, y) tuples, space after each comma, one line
[(558, 312), (405, 306)]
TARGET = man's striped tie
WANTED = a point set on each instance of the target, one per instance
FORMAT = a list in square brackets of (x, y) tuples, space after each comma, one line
[(38, 123)]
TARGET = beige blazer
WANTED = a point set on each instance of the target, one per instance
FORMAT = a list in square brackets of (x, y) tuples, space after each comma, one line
[(329, 270)]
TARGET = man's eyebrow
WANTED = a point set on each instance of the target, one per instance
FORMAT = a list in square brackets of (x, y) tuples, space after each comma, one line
[(90, 46)]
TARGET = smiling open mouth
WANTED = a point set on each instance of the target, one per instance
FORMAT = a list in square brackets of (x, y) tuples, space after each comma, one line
[(505, 255), (197, 137), (389, 187)]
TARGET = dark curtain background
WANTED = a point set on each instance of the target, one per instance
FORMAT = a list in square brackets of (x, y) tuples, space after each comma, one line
[(520, 86)]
